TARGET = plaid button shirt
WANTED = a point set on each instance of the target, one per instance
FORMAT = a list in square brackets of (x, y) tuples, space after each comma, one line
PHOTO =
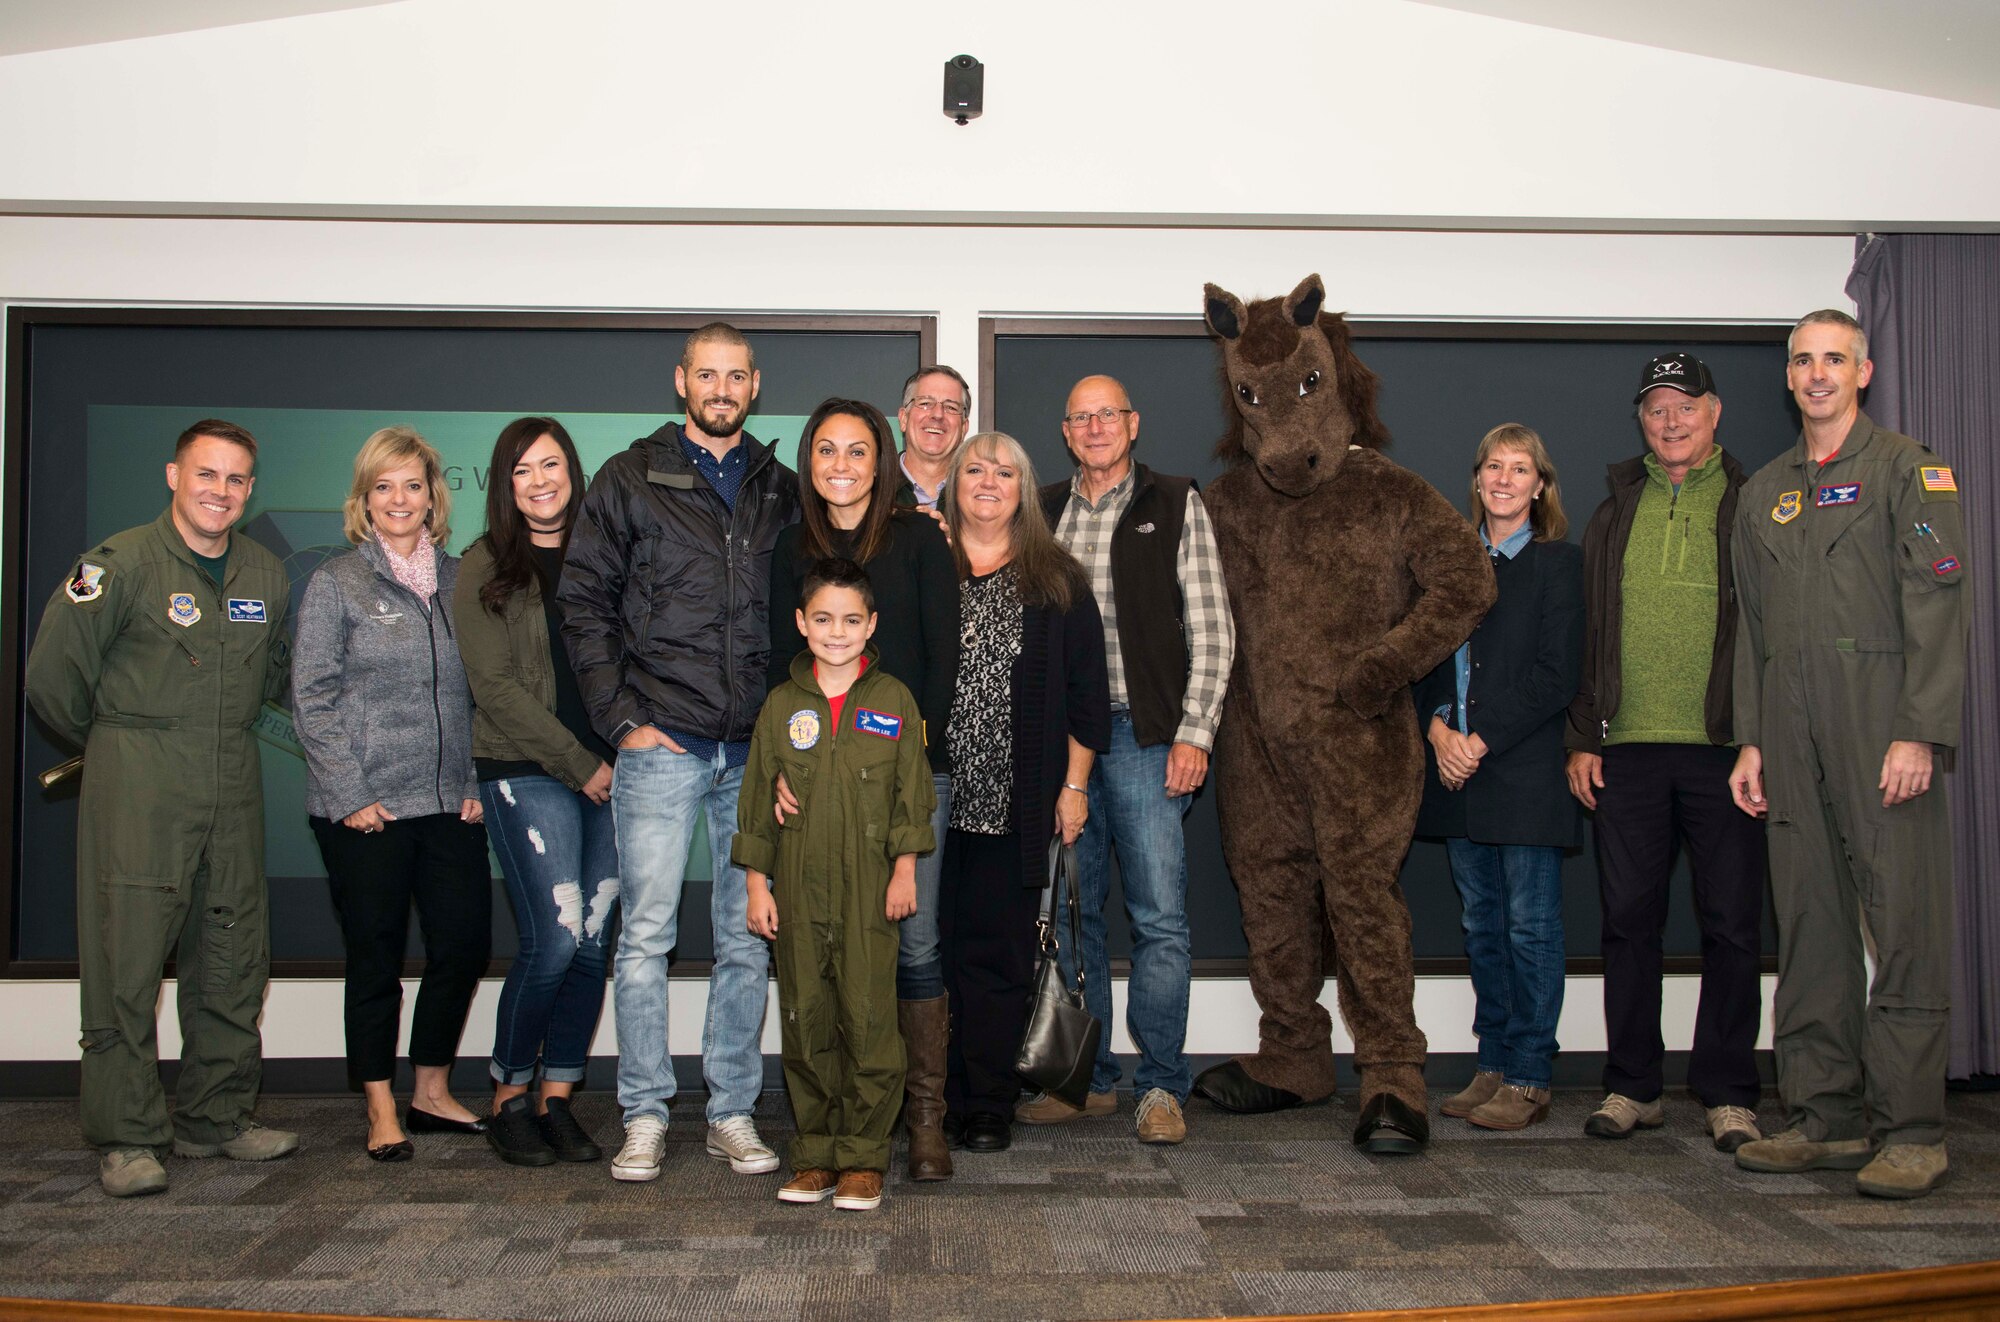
[(1085, 529)]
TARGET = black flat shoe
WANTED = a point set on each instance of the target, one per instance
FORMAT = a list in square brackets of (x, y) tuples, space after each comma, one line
[(400, 1150), (1230, 1087), (517, 1138), (953, 1126), (986, 1132), (423, 1122), (563, 1135), (1391, 1127)]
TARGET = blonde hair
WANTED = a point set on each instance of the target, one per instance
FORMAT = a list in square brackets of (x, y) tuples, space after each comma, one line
[(1047, 574), (393, 447), (1545, 513)]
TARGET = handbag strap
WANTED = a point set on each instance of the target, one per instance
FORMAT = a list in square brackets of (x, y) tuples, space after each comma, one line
[(1062, 889)]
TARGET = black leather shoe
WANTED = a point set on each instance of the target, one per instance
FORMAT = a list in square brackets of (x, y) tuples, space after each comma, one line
[(953, 1125), (1230, 1087), (564, 1136), (517, 1138), (401, 1150), (986, 1132), (1390, 1127), (418, 1121)]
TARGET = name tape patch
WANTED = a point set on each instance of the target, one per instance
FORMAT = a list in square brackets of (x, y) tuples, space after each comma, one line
[(1948, 565), (246, 610), (1844, 494), (878, 723)]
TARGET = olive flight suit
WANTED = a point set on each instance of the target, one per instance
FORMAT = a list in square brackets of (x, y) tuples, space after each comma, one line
[(158, 675), (1850, 578), (866, 798)]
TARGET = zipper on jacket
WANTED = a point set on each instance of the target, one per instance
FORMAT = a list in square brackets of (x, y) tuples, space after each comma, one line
[(437, 707), (729, 576)]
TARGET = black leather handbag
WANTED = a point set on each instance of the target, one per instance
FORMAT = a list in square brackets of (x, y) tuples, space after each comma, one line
[(1059, 1046)]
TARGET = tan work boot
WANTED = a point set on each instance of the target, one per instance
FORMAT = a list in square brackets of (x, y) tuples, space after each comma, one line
[(926, 1027), (1904, 1170), (1512, 1107), (128, 1172), (1618, 1115), (1462, 1104), (1159, 1118), (1791, 1152), (1043, 1109)]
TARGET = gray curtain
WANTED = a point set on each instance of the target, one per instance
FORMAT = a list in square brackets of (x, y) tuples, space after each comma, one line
[(1931, 306)]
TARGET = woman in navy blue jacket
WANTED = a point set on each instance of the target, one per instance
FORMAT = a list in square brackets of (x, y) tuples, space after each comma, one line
[(1495, 790)]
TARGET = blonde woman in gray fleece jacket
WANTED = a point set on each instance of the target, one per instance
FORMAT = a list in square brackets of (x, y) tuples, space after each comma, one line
[(383, 712)]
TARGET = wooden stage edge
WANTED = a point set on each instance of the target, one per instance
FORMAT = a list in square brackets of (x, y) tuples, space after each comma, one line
[(1966, 1293)]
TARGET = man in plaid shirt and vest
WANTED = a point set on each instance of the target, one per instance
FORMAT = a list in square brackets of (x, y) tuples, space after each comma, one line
[(1144, 539)]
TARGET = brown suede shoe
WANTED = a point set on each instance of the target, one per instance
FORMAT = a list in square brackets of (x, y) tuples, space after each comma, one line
[(1512, 1107), (1042, 1109), (1904, 1170), (1462, 1104), (859, 1191), (808, 1186)]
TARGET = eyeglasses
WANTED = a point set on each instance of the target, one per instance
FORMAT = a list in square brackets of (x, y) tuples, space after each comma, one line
[(951, 408), (1082, 420)]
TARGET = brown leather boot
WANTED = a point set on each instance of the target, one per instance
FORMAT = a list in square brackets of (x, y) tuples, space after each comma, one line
[(925, 1026)]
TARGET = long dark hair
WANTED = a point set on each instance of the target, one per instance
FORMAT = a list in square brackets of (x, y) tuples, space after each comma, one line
[(873, 534), (507, 533)]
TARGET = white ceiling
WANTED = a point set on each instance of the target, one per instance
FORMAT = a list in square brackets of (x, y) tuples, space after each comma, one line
[(1943, 48), (31, 25)]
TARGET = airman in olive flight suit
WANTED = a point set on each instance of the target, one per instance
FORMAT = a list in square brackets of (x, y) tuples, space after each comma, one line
[(1850, 671), (156, 655)]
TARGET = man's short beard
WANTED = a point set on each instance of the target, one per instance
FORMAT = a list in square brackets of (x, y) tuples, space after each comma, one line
[(719, 431)]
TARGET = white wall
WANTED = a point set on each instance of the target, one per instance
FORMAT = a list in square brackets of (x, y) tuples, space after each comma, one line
[(1398, 149)]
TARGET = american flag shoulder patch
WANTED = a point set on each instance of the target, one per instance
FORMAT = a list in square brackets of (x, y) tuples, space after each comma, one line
[(1938, 479)]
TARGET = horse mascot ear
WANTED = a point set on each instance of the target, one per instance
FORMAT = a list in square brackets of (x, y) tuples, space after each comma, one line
[(1301, 397)]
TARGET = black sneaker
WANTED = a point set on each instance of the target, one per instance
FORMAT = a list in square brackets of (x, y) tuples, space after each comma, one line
[(516, 1137), (563, 1135)]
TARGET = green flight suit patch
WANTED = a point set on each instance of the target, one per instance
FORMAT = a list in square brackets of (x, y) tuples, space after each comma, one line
[(1787, 507)]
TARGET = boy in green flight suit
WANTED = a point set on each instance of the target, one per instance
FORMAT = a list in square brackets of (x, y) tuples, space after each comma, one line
[(849, 741)]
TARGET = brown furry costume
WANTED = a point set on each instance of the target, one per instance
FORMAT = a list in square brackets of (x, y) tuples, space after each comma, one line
[(1350, 577)]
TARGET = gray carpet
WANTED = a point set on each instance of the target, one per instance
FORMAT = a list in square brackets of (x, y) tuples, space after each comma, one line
[(1262, 1214)]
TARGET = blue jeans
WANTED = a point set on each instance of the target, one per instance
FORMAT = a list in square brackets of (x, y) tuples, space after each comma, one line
[(1130, 811), (656, 797), (1514, 941), (559, 854), (919, 970)]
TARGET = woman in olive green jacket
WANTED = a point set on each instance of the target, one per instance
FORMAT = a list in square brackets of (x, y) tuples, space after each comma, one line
[(545, 778)]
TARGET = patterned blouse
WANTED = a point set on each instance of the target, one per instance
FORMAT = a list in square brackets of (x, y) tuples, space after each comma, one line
[(980, 731)]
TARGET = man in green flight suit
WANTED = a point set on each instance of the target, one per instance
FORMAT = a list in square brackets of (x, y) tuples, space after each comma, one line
[(1850, 671), (155, 656)]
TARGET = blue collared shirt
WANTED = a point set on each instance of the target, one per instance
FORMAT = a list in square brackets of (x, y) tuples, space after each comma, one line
[(1462, 659)]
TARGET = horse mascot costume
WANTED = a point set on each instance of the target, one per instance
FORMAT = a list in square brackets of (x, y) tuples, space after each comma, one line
[(1350, 578)]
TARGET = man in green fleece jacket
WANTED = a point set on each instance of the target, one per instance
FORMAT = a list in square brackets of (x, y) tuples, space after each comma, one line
[(1649, 740)]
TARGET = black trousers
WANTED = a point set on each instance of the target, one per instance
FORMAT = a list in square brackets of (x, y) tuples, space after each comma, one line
[(1654, 794), (439, 862), (986, 931)]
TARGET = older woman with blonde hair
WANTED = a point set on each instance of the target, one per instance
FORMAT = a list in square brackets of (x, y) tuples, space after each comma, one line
[(1494, 713), (1030, 711), (380, 702)]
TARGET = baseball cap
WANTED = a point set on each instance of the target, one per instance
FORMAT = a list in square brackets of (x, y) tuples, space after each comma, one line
[(1683, 371)]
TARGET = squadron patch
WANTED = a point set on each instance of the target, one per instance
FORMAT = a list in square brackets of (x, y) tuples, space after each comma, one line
[(182, 610), (803, 728), (1787, 507), (86, 584), (878, 723), (1847, 493)]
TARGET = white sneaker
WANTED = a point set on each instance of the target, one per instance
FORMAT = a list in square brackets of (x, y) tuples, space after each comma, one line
[(735, 1141), (645, 1143)]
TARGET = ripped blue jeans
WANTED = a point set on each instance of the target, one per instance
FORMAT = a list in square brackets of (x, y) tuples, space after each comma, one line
[(559, 852)]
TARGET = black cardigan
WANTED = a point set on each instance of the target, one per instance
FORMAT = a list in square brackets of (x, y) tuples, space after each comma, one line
[(1060, 689), (916, 610), (1527, 659)]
